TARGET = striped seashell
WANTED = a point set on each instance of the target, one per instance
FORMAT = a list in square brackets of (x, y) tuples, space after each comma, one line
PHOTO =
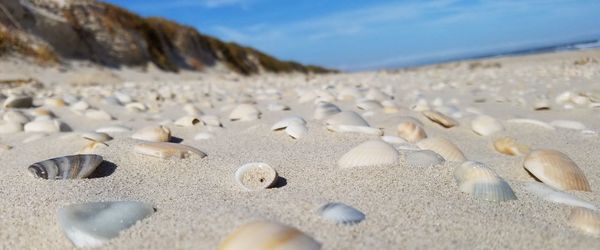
[(355, 129), (549, 194), (423, 158), (439, 118), (187, 121), (531, 122), (340, 213), (167, 150), (296, 130), (509, 146), (262, 235), (325, 110), (66, 167), (244, 112), (556, 169), (568, 124), (44, 126), (370, 154), (411, 132), (347, 118), (153, 133), (486, 125), (113, 129), (10, 127), (586, 220), (478, 180), (18, 101), (284, 123), (14, 116), (443, 147), (255, 176)]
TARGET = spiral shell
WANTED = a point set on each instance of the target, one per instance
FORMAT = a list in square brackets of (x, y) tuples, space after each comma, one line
[(66, 167), (261, 235)]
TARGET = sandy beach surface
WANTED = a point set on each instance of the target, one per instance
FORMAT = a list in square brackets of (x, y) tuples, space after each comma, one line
[(198, 202)]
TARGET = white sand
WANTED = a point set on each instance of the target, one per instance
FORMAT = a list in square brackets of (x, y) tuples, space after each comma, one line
[(198, 203)]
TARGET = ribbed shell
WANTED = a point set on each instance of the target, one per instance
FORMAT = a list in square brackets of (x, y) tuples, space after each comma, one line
[(556, 170), (66, 167), (443, 147), (585, 220), (340, 213), (347, 118), (439, 118), (263, 235), (370, 154), (476, 179)]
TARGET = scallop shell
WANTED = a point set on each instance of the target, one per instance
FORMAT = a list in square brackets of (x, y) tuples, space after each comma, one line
[(166, 150), (411, 132), (341, 213), (510, 146), (10, 127), (531, 122), (556, 170), (439, 118), (585, 220), (568, 124), (370, 154), (244, 112), (476, 179), (96, 136), (187, 121), (66, 167), (16, 101), (261, 235), (423, 158), (347, 118), (113, 129), (549, 194), (355, 129), (153, 133), (296, 130), (287, 121), (15, 117), (443, 147), (325, 110), (486, 125), (44, 126), (255, 176)]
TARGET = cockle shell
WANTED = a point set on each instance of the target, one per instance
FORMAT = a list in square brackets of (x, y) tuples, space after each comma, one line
[(153, 133), (66, 167), (10, 127), (287, 121), (549, 194), (486, 125), (340, 128), (244, 112), (439, 118), (296, 130), (187, 121), (17, 101), (411, 132), (341, 213), (166, 150), (443, 147), (509, 146), (256, 176), (556, 170), (262, 235), (113, 129), (478, 180), (325, 110), (347, 118), (423, 158), (45, 126), (93, 224), (585, 220), (370, 154)]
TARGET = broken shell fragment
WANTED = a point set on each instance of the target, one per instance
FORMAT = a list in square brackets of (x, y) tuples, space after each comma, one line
[(443, 147), (167, 150), (153, 133), (340, 213), (585, 220), (556, 170), (509, 146), (370, 154), (261, 235), (439, 118), (66, 167), (255, 176)]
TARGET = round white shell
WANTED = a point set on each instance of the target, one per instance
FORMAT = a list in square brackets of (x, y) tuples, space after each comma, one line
[(255, 176)]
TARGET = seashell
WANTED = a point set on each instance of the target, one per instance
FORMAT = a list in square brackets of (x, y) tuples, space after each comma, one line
[(393, 139), (17, 101), (55, 102), (39, 112), (80, 106), (97, 114), (96, 136), (549, 194), (556, 169), (486, 125), (347, 118), (563, 97), (369, 105), (153, 133), (325, 110), (113, 129), (244, 112), (192, 110), (340, 213), (439, 118), (10, 127), (288, 121), (296, 130), (15, 117), (136, 107), (210, 120), (541, 104), (45, 126), (66, 167), (187, 121), (370, 154), (585, 220), (443, 147), (95, 223), (277, 107), (510, 146), (122, 97), (166, 150), (423, 158), (411, 132), (355, 129), (261, 235), (568, 124), (478, 180), (255, 176), (532, 122)]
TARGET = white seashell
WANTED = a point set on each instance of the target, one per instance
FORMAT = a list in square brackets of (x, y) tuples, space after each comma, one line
[(10, 127), (255, 176), (411, 131), (113, 129), (45, 126), (136, 107), (423, 158), (532, 122), (97, 114), (510, 146), (355, 129), (15, 117), (187, 121), (393, 139), (296, 130), (17, 101), (439, 118), (325, 110), (277, 107), (443, 147), (585, 220), (563, 97), (549, 194), (556, 169), (262, 235), (347, 118), (284, 123), (93, 224), (568, 124), (210, 120), (203, 136), (96, 136), (340, 213), (369, 105), (80, 106), (167, 150), (486, 125), (370, 154), (478, 180), (244, 112), (153, 133)]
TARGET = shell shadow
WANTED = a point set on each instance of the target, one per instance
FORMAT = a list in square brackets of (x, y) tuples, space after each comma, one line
[(105, 169), (280, 182), (175, 139)]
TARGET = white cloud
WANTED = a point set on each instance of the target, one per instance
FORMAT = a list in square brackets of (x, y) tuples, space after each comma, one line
[(174, 4)]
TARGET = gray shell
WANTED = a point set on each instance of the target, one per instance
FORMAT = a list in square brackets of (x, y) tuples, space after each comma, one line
[(66, 167)]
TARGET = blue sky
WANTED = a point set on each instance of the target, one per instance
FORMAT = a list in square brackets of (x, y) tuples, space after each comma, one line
[(369, 34)]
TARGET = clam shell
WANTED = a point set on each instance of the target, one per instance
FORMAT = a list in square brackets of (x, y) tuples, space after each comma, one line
[(153, 133), (66, 167), (166, 150), (509, 146), (255, 176), (341, 213), (355, 129), (347, 118), (325, 110), (244, 112), (476, 179), (486, 125), (96, 136), (10, 127), (556, 169), (113, 129), (370, 154), (44, 126), (296, 130), (287, 121), (187, 121), (16, 101), (423, 158), (531, 122), (15, 117), (568, 124), (439, 118), (261, 235), (443, 147), (586, 220), (93, 224), (411, 131), (549, 194)]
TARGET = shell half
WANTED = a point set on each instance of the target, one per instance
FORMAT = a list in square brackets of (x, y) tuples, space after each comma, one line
[(443, 147), (261, 235), (556, 170), (255, 176), (66, 167), (341, 213), (370, 154), (478, 180)]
